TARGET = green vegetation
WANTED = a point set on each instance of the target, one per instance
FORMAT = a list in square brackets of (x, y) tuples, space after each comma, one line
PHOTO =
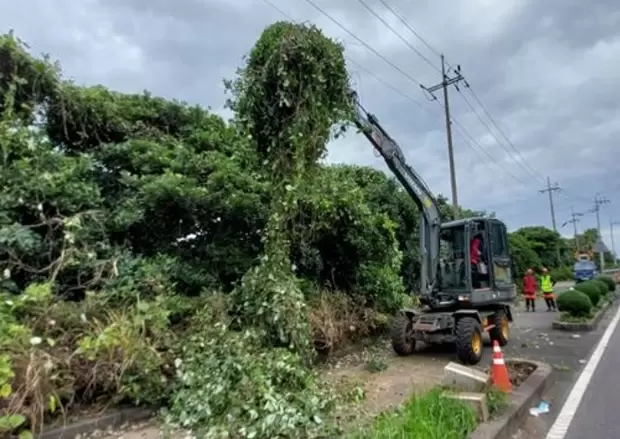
[(153, 254), (575, 303), (432, 416), (575, 309), (609, 282), (592, 290), (497, 401), (602, 287)]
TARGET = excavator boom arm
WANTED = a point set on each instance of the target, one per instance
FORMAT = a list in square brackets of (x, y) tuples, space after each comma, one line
[(430, 224)]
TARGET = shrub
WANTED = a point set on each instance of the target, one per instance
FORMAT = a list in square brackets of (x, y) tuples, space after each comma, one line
[(575, 302), (562, 273), (602, 287), (609, 282), (590, 289)]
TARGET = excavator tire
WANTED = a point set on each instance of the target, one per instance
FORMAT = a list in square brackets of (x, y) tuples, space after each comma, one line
[(402, 341), (468, 340), (501, 330)]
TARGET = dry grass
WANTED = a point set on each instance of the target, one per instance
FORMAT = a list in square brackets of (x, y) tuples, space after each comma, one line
[(57, 371), (338, 319)]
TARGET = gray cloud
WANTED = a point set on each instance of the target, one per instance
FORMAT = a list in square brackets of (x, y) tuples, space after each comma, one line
[(546, 71)]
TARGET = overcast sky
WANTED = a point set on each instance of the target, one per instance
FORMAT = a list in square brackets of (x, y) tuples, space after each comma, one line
[(546, 71)]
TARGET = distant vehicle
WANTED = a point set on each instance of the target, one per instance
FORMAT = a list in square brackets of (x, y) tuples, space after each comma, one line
[(584, 270)]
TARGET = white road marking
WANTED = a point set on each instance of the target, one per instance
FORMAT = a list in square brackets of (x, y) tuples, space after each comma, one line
[(563, 421)]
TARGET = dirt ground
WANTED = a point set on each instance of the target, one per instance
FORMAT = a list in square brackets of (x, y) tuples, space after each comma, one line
[(384, 379)]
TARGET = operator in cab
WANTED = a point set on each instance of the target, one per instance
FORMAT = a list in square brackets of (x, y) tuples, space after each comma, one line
[(475, 252)]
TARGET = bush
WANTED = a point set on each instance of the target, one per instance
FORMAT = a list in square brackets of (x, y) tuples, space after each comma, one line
[(562, 273), (590, 289), (609, 282), (575, 302), (602, 287)]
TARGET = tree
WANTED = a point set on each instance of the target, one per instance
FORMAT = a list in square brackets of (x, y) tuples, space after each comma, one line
[(544, 242)]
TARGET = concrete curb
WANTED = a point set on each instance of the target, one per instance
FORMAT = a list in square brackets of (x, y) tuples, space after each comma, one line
[(521, 399), (583, 326), (112, 419)]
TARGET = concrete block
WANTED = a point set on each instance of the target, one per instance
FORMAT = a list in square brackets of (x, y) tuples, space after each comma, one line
[(464, 378), (478, 401)]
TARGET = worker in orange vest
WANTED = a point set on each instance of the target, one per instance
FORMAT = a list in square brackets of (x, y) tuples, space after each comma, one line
[(529, 290)]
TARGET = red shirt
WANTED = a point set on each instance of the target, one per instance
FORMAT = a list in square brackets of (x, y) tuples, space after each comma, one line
[(474, 250), (529, 285)]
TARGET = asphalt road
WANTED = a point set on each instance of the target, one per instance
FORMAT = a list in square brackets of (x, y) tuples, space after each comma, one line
[(568, 353), (597, 414)]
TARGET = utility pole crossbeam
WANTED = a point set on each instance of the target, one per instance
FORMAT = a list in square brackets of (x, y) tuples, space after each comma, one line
[(550, 189), (598, 201), (447, 81)]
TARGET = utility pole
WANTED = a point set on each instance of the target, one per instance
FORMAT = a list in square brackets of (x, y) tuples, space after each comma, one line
[(574, 219), (550, 189), (613, 244), (447, 81), (598, 201)]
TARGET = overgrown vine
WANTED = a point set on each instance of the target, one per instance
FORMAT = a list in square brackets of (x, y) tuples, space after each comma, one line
[(289, 99)]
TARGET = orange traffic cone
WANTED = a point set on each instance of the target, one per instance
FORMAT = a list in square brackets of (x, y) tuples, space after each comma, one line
[(499, 371)]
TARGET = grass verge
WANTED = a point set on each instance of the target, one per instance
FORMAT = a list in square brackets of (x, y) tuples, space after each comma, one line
[(428, 416)]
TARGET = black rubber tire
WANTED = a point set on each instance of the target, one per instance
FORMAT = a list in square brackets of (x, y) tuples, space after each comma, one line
[(496, 332), (466, 327), (402, 342)]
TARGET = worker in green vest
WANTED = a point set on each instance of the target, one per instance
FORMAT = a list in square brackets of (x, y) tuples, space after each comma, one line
[(546, 286)]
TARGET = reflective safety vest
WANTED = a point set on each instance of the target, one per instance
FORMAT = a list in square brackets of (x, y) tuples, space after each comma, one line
[(545, 284)]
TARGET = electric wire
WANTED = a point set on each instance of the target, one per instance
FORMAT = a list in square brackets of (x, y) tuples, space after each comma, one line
[(469, 139)]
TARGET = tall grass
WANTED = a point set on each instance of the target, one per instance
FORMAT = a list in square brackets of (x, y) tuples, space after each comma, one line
[(429, 416)]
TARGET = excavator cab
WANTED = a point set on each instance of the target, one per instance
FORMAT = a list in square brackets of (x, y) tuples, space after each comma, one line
[(475, 282)]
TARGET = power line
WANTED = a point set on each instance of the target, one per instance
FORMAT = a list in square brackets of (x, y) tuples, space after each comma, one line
[(322, 11), (362, 42), (524, 165), (358, 65), (499, 130), (469, 140), (403, 39), (404, 22)]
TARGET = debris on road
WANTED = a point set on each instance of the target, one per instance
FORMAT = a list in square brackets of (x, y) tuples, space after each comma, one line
[(542, 408)]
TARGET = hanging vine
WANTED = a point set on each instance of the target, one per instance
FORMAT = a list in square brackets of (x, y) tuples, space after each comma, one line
[(291, 98)]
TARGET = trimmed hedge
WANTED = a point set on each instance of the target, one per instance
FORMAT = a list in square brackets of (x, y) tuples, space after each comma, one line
[(590, 289), (609, 282), (602, 287), (575, 302)]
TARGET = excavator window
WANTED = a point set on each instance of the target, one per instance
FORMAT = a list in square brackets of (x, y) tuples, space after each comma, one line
[(452, 248)]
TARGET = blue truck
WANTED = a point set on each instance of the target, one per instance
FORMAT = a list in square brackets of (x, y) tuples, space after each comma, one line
[(584, 270)]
